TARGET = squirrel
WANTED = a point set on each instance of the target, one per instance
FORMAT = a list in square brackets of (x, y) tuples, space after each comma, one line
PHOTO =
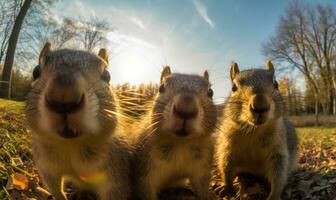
[(72, 113), (254, 136), (176, 142)]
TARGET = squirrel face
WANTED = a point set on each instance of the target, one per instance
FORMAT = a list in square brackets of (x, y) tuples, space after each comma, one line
[(255, 97), (184, 106), (70, 95)]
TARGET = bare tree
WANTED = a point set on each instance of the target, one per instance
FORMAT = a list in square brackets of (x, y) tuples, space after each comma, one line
[(64, 33), (320, 37), (8, 13), (305, 40), (93, 32), (12, 42)]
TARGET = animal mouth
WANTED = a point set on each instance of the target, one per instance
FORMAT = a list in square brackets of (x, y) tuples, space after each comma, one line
[(69, 133), (182, 132), (258, 120)]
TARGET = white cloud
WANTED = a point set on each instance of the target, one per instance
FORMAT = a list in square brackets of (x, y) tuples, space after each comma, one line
[(202, 10), (127, 40), (138, 22)]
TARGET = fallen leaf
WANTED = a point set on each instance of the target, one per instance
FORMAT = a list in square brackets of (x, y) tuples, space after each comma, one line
[(20, 181)]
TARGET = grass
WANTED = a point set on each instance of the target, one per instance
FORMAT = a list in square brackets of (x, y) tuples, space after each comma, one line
[(311, 137), (14, 142), (16, 106), (309, 120), (317, 153)]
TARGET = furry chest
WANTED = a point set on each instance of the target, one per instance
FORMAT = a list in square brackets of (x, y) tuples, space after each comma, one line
[(249, 153), (179, 161), (73, 161)]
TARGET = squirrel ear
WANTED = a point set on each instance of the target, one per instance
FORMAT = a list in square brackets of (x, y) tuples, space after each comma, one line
[(269, 66), (103, 54), (165, 72), (234, 70), (206, 75), (45, 50)]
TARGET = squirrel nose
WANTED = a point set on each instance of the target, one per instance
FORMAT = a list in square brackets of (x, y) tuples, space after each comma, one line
[(64, 94), (185, 107), (259, 104)]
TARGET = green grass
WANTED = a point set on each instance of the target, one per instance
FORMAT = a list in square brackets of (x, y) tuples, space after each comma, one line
[(12, 105), (14, 143), (311, 137)]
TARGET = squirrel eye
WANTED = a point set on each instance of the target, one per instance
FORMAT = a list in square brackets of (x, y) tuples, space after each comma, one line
[(234, 87), (36, 72), (276, 85), (106, 76), (161, 88), (210, 93)]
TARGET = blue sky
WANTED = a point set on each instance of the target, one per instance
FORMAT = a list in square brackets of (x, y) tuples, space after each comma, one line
[(188, 35)]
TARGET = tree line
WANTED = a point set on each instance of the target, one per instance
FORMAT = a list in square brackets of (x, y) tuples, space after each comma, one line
[(25, 25), (303, 43)]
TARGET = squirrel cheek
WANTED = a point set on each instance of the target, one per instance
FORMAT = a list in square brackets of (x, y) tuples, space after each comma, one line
[(271, 113), (199, 120)]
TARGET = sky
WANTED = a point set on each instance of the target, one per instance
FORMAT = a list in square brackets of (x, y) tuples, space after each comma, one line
[(188, 35)]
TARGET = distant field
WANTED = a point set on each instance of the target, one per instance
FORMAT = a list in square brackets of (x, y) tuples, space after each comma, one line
[(324, 137), (12, 105), (309, 120), (315, 179)]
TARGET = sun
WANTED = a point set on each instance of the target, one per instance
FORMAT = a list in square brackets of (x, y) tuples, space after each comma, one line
[(134, 61)]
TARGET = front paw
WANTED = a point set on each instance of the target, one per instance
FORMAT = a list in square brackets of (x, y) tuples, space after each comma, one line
[(225, 191)]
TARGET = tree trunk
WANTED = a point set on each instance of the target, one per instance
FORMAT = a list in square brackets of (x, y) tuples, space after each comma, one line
[(9, 60), (317, 122), (331, 102), (334, 108)]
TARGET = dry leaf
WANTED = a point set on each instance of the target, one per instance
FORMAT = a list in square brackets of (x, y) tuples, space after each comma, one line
[(20, 181)]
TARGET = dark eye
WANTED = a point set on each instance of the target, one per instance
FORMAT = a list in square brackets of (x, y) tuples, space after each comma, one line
[(234, 87), (106, 76), (276, 85), (210, 93), (36, 72), (161, 88)]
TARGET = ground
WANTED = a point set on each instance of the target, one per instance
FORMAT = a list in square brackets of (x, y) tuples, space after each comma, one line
[(315, 177)]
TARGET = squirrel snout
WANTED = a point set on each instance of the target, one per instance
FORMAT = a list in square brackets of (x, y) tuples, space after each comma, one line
[(64, 94), (259, 104), (185, 107)]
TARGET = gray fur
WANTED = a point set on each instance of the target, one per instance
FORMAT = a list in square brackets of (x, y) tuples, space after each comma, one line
[(103, 152), (155, 146), (269, 149)]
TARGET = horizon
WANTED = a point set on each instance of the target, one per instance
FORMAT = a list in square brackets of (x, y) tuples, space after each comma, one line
[(196, 36)]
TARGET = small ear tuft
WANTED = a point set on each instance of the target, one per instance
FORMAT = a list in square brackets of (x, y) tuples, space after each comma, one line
[(104, 55), (206, 75), (165, 72), (45, 50), (269, 66), (234, 70)]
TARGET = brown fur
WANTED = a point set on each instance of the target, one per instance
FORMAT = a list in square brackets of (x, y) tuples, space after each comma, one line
[(163, 158), (243, 144), (95, 158)]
